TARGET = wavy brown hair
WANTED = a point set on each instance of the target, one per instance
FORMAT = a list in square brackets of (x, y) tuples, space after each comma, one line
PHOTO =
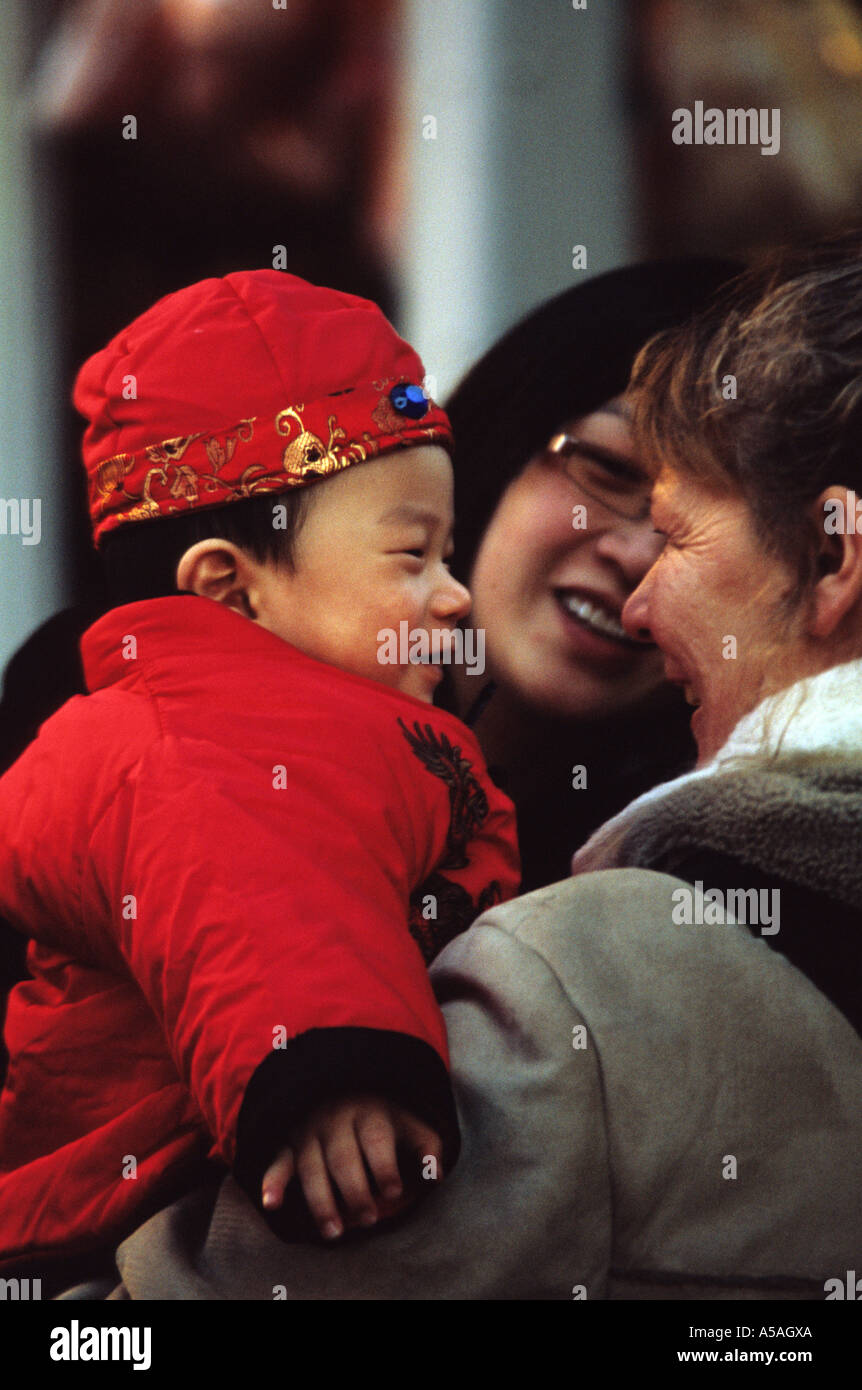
[(789, 335)]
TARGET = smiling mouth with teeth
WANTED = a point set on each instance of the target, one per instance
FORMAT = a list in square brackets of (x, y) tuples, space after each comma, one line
[(596, 618)]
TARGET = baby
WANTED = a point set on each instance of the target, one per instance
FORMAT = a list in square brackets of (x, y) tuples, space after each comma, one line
[(236, 855)]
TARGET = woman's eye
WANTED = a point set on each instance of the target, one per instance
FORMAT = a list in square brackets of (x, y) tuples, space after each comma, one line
[(607, 474), (590, 466)]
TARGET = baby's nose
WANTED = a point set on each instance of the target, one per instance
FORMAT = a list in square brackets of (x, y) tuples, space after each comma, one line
[(454, 598)]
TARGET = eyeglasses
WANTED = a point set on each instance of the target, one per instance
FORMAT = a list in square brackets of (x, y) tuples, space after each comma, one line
[(618, 487)]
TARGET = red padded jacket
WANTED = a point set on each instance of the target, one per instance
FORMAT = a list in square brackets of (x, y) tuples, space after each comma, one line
[(217, 853)]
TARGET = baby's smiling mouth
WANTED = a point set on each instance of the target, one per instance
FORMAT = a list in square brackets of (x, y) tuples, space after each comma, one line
[(595, 616)]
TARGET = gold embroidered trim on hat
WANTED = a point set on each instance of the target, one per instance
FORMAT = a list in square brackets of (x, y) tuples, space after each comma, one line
[(306, 453), (212, 469)]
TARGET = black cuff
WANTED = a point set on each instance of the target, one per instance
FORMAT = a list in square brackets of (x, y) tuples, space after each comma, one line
[(325, 1063)]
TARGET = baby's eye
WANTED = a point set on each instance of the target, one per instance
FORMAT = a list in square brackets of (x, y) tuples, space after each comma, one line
[(419, 554)]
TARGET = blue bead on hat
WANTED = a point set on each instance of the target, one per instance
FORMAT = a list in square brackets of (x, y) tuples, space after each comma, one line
[(410, 400)]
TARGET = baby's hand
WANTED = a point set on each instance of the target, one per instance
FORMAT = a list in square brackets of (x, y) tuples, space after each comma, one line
[(330, 1146)]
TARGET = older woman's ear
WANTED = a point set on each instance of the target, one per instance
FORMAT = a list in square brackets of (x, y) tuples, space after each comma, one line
[(836, 604)]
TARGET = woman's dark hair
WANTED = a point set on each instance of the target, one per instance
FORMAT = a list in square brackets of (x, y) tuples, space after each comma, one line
[(140, 560), (762, 396), (564, 360)]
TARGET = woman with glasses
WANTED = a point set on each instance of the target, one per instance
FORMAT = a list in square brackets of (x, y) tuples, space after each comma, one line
[(552, 535)]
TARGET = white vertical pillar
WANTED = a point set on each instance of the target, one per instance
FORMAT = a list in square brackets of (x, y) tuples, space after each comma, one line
[(448, 142), (530, 156), (30, 465)]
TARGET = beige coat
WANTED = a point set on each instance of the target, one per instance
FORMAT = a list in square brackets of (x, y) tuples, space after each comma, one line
[(648, 1111)]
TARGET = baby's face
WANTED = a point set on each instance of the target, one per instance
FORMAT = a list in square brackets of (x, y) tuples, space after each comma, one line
[(371, 554)]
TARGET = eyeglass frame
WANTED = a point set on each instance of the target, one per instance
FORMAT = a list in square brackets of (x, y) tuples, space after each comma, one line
[(595, 453)]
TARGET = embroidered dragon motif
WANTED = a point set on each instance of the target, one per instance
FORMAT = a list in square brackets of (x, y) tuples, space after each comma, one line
[(468, 810)]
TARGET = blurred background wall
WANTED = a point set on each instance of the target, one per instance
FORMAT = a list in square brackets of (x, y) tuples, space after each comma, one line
[(34, 570), (457, 160), (516, 148)]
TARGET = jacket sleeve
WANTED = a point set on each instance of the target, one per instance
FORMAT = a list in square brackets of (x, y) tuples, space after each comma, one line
[(263, 911), (526, 1214)]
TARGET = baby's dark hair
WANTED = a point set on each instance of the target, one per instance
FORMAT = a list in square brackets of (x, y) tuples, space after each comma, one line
[(140, 559)]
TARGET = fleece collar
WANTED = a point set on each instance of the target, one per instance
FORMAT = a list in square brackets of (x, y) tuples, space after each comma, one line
[(816, 720)]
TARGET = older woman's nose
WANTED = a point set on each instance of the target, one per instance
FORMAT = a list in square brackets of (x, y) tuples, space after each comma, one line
[(635, 614)]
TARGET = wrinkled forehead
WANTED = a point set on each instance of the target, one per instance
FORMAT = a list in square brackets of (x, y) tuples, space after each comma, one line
[(664, 488), (681, 497)]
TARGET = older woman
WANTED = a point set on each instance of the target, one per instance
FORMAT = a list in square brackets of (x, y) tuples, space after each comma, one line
[(755, 604), (660, 1085)]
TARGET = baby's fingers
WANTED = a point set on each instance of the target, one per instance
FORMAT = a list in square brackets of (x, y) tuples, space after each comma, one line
[(276, 1178), (344, 1161), (376, 1136), (317, 1189)]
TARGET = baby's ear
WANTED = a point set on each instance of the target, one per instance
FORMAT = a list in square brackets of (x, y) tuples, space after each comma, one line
[(219, 570)]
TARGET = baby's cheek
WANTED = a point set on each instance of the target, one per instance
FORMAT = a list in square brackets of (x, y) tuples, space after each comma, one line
[(401, 604)]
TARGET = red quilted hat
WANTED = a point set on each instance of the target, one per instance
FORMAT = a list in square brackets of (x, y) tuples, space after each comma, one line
[(257, 382)]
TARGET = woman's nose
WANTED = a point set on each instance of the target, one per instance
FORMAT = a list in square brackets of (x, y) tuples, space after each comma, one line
[(632, 546), (635, 614)]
